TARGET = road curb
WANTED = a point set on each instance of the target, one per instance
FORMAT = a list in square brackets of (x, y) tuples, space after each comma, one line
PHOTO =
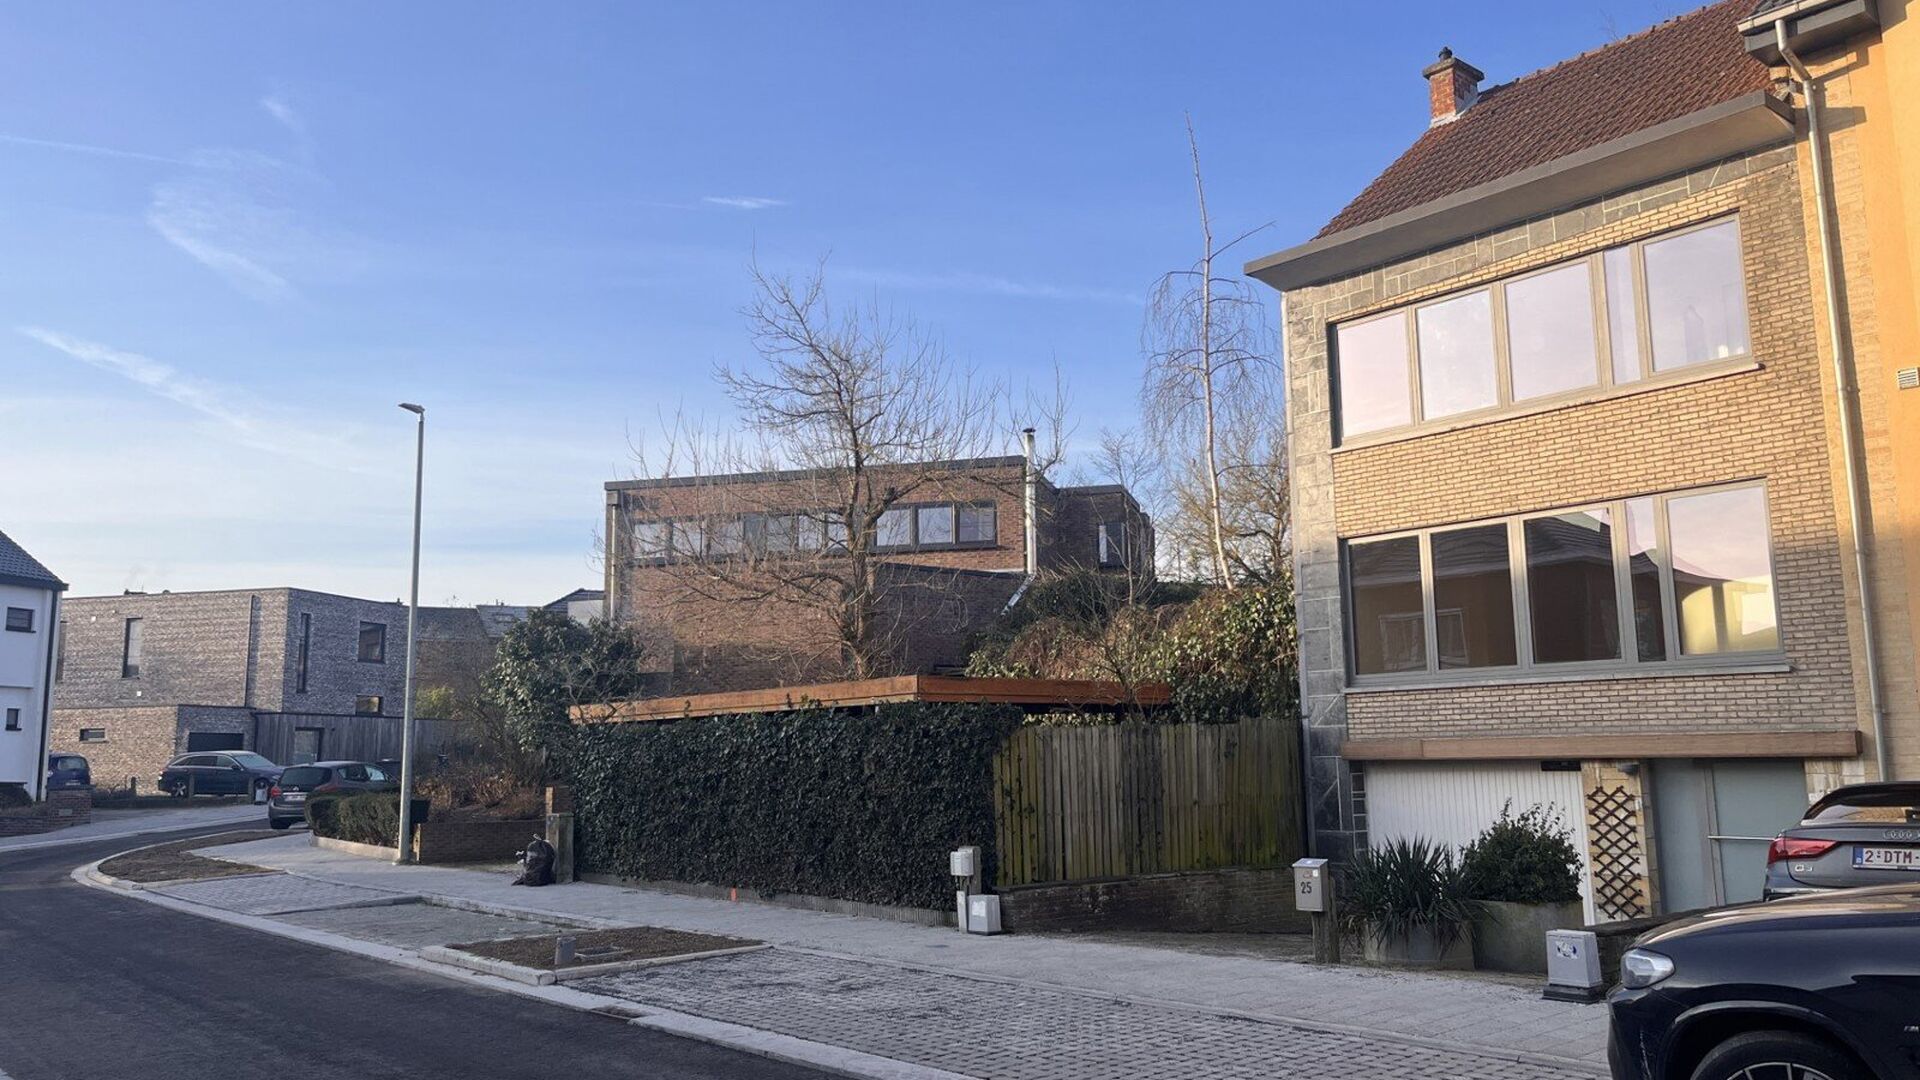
[(767, 1044), (69, 841)]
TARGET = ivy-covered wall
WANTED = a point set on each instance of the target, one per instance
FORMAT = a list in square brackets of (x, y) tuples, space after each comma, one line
[(857, 806)]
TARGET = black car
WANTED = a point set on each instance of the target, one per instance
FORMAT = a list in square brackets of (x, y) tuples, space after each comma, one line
[(287, 799), (229, 772), (68, 771), (1858, 835), (1821, 987)]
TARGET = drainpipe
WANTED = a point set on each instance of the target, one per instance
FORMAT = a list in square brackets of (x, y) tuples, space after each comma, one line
[(1030, 508), (1843, 391), (46, 697)]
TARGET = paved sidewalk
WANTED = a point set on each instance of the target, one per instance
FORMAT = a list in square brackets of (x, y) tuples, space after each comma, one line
[(1469, 1014), (111, 824)]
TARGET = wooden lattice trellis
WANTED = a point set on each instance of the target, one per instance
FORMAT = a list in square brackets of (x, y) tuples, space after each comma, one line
[(1613, 831)]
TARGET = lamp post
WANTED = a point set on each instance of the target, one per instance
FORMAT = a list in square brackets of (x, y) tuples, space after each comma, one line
[(413, 623)]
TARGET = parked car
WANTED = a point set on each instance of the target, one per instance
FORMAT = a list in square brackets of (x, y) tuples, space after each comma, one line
[(1816, 987), (287, 799), (1858, 835), (229, 772), (68, 771)]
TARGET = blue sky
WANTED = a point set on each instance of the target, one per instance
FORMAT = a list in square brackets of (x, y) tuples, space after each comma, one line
[(232, 236)]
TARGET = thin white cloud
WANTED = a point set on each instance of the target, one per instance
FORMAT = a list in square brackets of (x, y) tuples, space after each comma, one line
[(742, 202), (234, 218), (988, 284), (94, 151), (277, 107), (232, 411)]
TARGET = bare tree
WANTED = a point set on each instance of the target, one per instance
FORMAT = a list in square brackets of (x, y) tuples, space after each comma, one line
[(1209, 354), (864, 415)]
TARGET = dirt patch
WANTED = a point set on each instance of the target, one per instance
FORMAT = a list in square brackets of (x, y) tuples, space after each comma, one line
[(172, 862), (603, 946)]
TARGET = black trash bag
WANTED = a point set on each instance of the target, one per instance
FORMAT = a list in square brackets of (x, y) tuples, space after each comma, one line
[(536, 864)]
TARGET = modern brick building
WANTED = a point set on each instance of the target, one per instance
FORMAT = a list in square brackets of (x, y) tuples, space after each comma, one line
[(1571, 497), (30, 603), (142, 677), (951, 552)]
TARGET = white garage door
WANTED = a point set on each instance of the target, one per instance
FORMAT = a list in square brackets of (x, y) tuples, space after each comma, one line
[(1452, 803)]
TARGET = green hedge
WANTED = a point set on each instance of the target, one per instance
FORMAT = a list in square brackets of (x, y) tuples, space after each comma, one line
[(858, 806), (368, 817)]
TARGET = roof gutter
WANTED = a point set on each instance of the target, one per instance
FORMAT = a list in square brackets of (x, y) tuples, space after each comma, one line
[(1749, 122), (1845, 393)]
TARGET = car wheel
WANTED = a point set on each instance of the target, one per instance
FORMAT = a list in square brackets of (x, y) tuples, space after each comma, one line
[(1777, 1055)]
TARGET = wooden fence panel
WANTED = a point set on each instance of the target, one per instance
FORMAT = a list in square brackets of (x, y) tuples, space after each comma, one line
[(1081, 803), (352, 738)]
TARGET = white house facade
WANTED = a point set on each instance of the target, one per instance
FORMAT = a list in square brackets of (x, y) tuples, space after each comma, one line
[(29, 649)]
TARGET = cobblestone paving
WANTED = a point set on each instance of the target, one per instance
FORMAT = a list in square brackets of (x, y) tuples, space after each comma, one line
[(995, 1030), (271, 894), (415, 926)]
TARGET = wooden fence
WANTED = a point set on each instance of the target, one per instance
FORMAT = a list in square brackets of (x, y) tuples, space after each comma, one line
[(348, 738), (1082, 803)]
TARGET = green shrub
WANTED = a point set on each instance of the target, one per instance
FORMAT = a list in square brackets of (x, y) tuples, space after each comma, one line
[(860, 806), (1527, 858), (1232, 655), (367, 817), (1408, 885)]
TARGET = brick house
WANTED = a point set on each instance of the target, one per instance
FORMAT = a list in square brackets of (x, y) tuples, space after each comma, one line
[(142, 677), (30, 602), (1570, 524), (951, 555)]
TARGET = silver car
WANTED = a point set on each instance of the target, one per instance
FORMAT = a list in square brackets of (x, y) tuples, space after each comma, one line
[(1859, 835)]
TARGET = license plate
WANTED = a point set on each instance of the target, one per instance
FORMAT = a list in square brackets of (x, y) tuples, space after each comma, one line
[(1886, 858), (293, 796)]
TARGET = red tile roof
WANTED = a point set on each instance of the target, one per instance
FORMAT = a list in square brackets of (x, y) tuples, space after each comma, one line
[(1681, 66)]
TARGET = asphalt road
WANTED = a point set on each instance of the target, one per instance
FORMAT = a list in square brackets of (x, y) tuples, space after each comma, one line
[(98, 985)]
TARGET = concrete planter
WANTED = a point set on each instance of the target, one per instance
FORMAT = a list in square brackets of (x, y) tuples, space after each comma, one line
[(1513, 937), (1421, 948)]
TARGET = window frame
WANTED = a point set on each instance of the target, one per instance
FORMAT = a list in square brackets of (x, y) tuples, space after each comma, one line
[(379, 704), (817, 531), (91, 734), (1525, 665), (133, 646), (303, 653), (27, 619), (13, 718), (1604, 385)]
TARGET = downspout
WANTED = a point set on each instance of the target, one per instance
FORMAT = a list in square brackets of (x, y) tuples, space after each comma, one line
[(1030, 511), (46, 697), (1843, 392)]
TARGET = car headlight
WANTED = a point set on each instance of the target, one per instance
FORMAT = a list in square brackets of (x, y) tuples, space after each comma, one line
[(1640, 968)]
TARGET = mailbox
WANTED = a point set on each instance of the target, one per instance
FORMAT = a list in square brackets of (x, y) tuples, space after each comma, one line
[(1310, 877), (964, 862)]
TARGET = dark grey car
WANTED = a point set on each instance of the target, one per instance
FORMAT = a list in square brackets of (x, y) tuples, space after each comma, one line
[(287, 801), (1859, 835)]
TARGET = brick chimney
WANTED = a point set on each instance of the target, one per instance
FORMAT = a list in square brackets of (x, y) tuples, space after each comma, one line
[(1452, 87)]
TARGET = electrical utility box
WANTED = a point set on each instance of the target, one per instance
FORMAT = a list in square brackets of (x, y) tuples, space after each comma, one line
[(1573, 966), (1310, 885), (964, 862), (983, 914)]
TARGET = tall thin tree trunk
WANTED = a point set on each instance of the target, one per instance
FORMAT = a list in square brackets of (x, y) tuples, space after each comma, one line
[(1206, 367)]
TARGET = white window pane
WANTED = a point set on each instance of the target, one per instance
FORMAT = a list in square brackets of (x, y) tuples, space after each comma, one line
[(689, 539), (1374, 379), (936, 524), (1722, 571), (1623, 315), (1550, 332), (649, 539), (977, 524), (895, 529), (1456, 355), (1696, 297), (729, 537)]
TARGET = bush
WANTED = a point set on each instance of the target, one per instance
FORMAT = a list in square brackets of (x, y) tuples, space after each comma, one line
[(1408, 885), (14, 797), (1231, 656), (1527, 858), (859, 806), (367, 817), (548, 663)]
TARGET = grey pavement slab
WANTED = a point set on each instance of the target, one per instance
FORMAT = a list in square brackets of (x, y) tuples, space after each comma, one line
[(1487, 1014), (275, 894), (414, 926), (1023, 1032)]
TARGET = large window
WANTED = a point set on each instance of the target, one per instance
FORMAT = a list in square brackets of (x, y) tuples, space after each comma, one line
[(373, 643), (130, 643), (301, 657), (1577, 328), (920, 526), (1676, 577)]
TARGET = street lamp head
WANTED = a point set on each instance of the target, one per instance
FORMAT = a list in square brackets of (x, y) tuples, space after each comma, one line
[(417, 410)]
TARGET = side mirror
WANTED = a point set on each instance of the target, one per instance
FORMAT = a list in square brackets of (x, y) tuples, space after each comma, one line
[(238, 768)]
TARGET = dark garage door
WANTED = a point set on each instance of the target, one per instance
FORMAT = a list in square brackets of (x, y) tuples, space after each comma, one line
[(215, 740)]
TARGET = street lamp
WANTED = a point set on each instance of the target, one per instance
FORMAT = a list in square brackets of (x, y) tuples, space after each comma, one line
[(413, 623)]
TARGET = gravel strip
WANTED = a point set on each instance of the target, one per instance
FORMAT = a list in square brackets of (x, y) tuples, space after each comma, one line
[(173, 862), (597, 946)]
